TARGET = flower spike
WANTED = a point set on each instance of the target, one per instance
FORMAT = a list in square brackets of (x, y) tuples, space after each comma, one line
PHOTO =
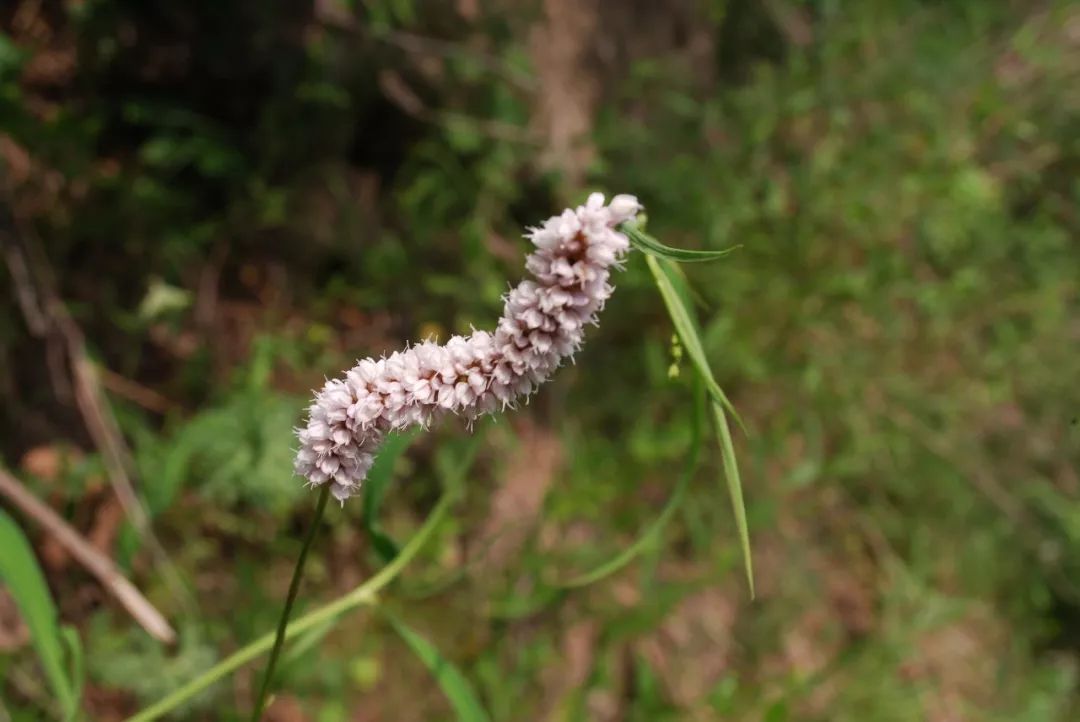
[(542, 324)]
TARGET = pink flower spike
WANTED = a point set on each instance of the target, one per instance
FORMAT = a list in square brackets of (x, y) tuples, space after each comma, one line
[(542, 325)]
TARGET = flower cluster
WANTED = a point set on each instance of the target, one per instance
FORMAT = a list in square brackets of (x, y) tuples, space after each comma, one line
[(543, 323)]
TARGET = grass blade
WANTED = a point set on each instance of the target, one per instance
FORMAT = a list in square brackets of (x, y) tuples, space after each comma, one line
[(734, 486), (452, 682), (657, 526), (649, 245), (21, 574)]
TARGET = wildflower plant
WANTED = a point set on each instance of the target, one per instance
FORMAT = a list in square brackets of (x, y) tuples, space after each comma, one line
[(357, 423)]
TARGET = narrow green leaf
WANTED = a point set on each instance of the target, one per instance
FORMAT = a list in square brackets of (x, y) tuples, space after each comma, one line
[(21, 574), (452, 682), (375, 486), (383, 544), (675, 292), (649, 245), (653, 531), (734, 485)]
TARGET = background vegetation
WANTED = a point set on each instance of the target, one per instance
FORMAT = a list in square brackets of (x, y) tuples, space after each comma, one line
[(231, 200)]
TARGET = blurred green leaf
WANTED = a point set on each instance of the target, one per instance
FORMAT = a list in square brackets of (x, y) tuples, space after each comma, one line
[(213, 157), (462, 133), (240, 450), (365, 671), (777, 712), (21, 574), (162, 299), (11, 56), (452, 682), (130, 659)]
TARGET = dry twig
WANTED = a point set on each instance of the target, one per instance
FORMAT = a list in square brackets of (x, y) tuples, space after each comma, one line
[(133, 391), (148, 617)]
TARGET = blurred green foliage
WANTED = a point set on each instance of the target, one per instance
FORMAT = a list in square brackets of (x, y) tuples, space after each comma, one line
[(239, 198)]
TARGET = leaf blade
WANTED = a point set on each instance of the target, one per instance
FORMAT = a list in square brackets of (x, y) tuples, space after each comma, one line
[(734, 486), (19, 570), (453, 683), (649, 245)]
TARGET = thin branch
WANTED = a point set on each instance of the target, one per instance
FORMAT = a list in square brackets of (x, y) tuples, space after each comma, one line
[(24, 291), (101, 566), (34, 313), (135, 392)]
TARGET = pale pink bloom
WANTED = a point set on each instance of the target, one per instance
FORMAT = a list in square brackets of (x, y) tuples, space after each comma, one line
[(543, 322)]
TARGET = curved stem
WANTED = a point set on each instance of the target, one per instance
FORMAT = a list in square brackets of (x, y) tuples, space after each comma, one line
[(363, 594), (294, 587)]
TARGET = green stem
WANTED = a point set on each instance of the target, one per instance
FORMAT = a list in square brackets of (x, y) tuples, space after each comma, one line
[(361, 595), (294, 587)]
